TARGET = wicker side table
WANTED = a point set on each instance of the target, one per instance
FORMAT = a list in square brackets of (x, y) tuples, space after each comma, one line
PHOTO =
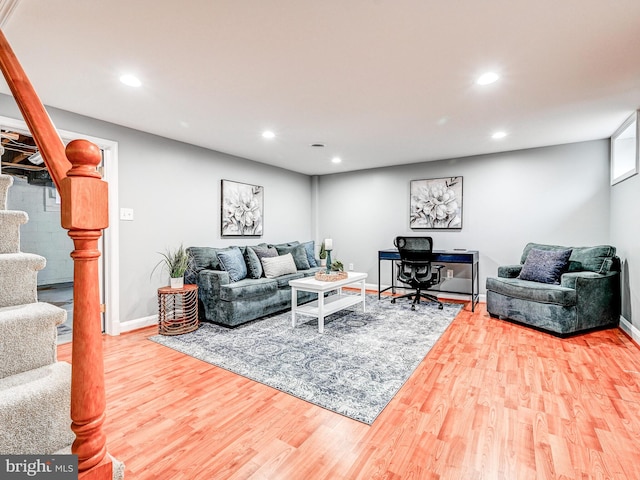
[(177, 310)]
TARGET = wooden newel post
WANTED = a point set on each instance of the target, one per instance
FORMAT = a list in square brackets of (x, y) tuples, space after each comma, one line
[(85, 215)]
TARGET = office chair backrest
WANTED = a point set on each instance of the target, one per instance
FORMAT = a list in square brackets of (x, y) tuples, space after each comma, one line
[(414, 248)]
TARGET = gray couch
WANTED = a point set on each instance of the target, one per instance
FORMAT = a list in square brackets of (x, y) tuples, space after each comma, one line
[(586, 295), (226, 297)]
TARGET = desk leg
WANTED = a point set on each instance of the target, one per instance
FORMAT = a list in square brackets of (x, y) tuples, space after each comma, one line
[(294, 305), (393, 276), (320, 312), (378, 276)]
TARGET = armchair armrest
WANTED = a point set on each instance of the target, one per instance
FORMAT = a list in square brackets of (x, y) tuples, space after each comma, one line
[(209, 283), (598, 297), (509, 271)]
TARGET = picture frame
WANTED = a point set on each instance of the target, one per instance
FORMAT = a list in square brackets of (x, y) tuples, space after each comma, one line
[(436, 204), (625, 149), (242, 209)]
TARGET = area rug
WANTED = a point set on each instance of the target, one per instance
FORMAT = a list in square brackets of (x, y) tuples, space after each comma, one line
[(354, 368)]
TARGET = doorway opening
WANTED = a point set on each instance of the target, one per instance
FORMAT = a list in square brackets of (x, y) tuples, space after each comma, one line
[(47, 237)]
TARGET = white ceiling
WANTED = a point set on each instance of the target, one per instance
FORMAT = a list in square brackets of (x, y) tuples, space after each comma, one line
[(379, 82)]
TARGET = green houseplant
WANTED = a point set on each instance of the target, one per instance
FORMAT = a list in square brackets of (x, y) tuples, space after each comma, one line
[(176, 262), (323, 254), (337, 266)]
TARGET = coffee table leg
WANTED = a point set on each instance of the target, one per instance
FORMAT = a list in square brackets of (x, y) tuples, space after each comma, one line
[(294, 304), (320, 312)]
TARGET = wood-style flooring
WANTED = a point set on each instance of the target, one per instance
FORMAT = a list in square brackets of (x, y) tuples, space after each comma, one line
[(492, 400)]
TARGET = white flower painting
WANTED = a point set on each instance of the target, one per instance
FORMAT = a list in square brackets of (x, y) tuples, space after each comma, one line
[(436, 203), (242, 206)]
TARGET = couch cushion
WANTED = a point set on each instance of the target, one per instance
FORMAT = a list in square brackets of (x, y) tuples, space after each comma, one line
[(254, 266), (597, 259), (204, 257), (247, 289), (299, 254), (545, 266), (263, 251), (310, 248), (283, 281), (532, 291), (277, 266), (232, 262)]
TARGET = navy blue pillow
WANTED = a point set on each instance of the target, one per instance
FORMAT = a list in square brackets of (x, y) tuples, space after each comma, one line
[(545, 266)]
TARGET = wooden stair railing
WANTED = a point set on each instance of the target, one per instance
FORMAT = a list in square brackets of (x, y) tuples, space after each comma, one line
[(84, 213)]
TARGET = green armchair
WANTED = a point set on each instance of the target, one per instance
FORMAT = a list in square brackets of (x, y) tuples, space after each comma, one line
[(584, 296)]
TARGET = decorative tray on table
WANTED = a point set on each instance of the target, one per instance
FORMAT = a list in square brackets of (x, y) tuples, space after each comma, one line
[(331, 276)]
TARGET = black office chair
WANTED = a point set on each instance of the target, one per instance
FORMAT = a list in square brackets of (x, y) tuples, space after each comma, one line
[(415, 268)]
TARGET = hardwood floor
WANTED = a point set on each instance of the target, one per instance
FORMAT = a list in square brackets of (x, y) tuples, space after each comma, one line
[(492, 400)]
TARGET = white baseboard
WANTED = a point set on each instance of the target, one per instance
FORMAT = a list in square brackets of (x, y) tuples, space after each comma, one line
[(138, 323), (630, 330)]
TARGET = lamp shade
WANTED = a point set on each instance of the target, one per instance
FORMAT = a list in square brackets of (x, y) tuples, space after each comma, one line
[(328, 244)]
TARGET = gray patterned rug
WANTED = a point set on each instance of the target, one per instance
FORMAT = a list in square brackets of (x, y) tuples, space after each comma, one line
[(354, 368)]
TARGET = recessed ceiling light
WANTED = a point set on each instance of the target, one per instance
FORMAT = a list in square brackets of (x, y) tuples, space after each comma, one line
[(268, 134), (130, 80), (499, 135), (487, 78), (336, 160)]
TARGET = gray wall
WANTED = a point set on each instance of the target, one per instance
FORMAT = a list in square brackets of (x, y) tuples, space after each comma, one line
[(556, 194), (174, 189), (625, 232)]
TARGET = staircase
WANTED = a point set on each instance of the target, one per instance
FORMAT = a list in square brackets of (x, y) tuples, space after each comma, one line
[(35, 389)]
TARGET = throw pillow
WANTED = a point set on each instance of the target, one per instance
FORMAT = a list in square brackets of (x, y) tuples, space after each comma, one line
[(299, 254), (254, 267), (310, 248), (277, 266), (263, 251), (545, 266), (232, 261)]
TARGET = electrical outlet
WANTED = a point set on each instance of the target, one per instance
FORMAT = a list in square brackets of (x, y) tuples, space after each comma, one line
[(351, 267), (126, 214)]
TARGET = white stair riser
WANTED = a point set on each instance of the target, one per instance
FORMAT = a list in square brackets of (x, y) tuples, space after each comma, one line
[(28, 336)]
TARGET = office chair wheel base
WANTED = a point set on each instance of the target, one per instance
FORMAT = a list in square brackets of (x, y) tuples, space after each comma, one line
[(413, 307), (440, 307), (393, 300)]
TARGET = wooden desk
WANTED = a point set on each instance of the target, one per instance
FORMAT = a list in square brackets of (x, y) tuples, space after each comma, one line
[(469, 257)]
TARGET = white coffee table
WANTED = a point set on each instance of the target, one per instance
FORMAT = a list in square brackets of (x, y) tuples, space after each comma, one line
[(325, 306)]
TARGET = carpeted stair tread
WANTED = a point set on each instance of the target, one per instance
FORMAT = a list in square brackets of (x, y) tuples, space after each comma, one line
[(35, 410), (18, 278), (10, 221), (5, 182), (28, 336)]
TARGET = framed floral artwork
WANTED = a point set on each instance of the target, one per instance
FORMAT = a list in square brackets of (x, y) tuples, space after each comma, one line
[(242, 209), (436, 203)]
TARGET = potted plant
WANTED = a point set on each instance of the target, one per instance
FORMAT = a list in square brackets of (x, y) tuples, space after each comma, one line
[(322, 255), (176, 262), (337, 266)]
